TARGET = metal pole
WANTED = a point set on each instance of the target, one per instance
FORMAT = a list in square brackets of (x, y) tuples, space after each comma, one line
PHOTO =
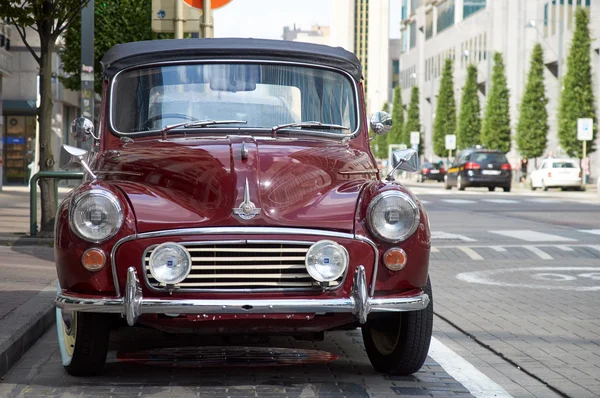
[(582, 163), (87, 61), (178, 19), (206, 19)]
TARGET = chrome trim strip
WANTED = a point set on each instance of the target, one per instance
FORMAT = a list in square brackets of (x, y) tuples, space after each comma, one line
[(356, 172), (246, 231), (133, 304), (357, 108)]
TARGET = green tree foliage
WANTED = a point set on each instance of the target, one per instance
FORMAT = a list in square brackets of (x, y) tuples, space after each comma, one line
[(379, 143), (115, 22), (396, 136), (468, 132), (413, 122), (532, 130), (49, 19), (445, 113), (577, 98), (495, 132)]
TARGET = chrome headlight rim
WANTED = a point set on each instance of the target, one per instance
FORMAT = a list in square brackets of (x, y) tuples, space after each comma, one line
[(96, 192), (415, 209), (179, 246), (341, 274)]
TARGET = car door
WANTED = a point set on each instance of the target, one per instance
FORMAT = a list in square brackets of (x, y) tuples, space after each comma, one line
[(452, 173), (536, 176)]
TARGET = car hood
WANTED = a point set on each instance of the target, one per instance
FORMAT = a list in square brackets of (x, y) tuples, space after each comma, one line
[(198, 183)]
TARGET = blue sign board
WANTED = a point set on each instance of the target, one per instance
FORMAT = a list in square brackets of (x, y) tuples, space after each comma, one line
[(13, 140)]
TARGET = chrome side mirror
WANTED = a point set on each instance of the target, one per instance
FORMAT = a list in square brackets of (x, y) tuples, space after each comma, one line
[(405, 159), (381, 122), (82, 129), (73, 158)]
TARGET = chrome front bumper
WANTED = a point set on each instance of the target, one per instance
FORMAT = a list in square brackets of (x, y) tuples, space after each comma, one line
[(132, 305)]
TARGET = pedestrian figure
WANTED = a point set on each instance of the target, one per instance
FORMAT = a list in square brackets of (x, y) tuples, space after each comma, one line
[(586, 168), (523, 168)]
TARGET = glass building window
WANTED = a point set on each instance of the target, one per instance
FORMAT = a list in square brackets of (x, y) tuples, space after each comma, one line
[(546, 20), (413, 34), (472, 6), (428, 24), (414, 4), (445, 16), (404, 10), (404, 41)]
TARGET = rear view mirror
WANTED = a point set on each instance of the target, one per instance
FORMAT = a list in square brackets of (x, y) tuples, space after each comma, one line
[(82, 129), (234, 78), (407, 159), (381, 122), (73, 158)]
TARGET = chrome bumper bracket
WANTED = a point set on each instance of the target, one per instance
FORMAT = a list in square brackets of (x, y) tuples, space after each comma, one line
[(132, 305)]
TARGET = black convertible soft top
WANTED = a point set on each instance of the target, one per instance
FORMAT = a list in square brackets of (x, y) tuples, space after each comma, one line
[(143, 52)]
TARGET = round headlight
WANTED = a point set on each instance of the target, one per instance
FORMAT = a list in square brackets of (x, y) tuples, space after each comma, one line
[(96, 215), (393, 216), (326, 261), (170, 263)]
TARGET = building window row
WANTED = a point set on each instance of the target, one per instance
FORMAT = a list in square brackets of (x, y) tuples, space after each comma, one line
[(435, 64), (472, 6), (474, 50), (445, 15), (412, 33), (408, 77), (554, 14), (428, 25), (395, 72)]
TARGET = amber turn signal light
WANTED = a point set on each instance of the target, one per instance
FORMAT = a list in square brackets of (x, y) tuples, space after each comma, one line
[(93, 259), (395, 259)]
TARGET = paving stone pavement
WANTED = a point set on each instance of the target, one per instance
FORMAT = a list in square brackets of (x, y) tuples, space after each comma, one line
[(40, 373), (547, 322)]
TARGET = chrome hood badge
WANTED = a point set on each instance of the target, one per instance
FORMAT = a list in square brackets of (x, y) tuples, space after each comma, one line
[(247, 209)]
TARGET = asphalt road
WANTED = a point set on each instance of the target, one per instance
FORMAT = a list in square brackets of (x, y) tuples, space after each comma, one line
[(516, 281)]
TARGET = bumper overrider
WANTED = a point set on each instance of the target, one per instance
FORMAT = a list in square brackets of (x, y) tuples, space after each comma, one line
[(133, 304)]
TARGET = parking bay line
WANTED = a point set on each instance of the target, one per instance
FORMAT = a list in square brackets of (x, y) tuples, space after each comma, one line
[(470, 252), (538, 252), (531, 236), (565, 248), (464, 372)]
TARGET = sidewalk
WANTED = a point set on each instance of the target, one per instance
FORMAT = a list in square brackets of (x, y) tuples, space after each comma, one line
[(14, 212), (27, 291)]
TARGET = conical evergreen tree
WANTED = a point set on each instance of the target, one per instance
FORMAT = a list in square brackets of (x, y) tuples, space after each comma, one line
[(413, 122), (495, 132), (395, 135), (577, 98), (445, 113), (532, 130), (468, 132), (382, 139)]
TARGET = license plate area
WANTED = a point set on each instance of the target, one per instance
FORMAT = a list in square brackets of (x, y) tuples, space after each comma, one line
[(490, 172)]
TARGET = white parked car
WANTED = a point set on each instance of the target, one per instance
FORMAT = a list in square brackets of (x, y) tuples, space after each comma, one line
[(556, 173)]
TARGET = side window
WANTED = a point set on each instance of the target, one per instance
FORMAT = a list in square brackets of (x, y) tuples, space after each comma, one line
[(544, 165)]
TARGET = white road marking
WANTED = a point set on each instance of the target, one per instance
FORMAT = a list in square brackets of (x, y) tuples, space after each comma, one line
[(488, 278), (425, 202), (538, 252), (500, 200), (464, 372), (435, 250), (498, 248), (590, 231), (594, 247), (532, 236), (449, 236), (544, 200), (458, 201), (565, 248), (470, 252)]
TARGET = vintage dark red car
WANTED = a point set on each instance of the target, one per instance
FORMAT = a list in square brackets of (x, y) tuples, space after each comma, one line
[(230, 189)]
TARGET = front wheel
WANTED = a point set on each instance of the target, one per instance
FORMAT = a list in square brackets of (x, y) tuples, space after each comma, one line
[(506, 189), (446, 183), (83, 341), (398, 343), (459, 183)]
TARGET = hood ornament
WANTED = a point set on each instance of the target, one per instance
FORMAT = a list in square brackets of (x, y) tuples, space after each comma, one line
[(244, 151), (247, 209)]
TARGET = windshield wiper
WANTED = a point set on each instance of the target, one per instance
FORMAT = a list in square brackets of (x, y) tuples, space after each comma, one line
[(198, 123), (312, 124)]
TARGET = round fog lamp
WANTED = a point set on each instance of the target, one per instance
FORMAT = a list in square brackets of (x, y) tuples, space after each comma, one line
[(326, 261), (93, 259), (395, 259), (170, 263)]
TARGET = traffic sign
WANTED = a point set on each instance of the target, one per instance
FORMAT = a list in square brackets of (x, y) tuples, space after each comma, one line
[(585, 129), (415, 138), (214, 4), (450, 142)]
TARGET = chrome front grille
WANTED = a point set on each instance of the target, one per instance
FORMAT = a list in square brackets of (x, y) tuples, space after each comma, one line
[(244, 265)]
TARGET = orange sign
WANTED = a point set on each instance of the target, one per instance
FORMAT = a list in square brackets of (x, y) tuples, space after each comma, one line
[(214, 4)]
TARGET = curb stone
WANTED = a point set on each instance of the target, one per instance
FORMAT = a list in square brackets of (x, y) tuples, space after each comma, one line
[(21, 328), (24, 240)]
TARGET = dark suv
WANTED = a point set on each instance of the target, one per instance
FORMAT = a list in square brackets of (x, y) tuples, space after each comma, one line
[(479, 167)]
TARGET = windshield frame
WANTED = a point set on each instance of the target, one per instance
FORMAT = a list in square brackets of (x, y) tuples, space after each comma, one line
[(245, 130)]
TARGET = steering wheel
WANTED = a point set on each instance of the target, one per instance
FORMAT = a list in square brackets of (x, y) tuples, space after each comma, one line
[(153, 119)]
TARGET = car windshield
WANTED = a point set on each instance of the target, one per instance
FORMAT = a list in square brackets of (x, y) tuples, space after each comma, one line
[(262, 95), (488, 157), (563, 165)]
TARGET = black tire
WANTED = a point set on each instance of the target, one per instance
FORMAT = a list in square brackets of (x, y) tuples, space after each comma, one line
[(447, 184), (491, 189), (459, 183), (506, 189), (412, 333), (91, 344)]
